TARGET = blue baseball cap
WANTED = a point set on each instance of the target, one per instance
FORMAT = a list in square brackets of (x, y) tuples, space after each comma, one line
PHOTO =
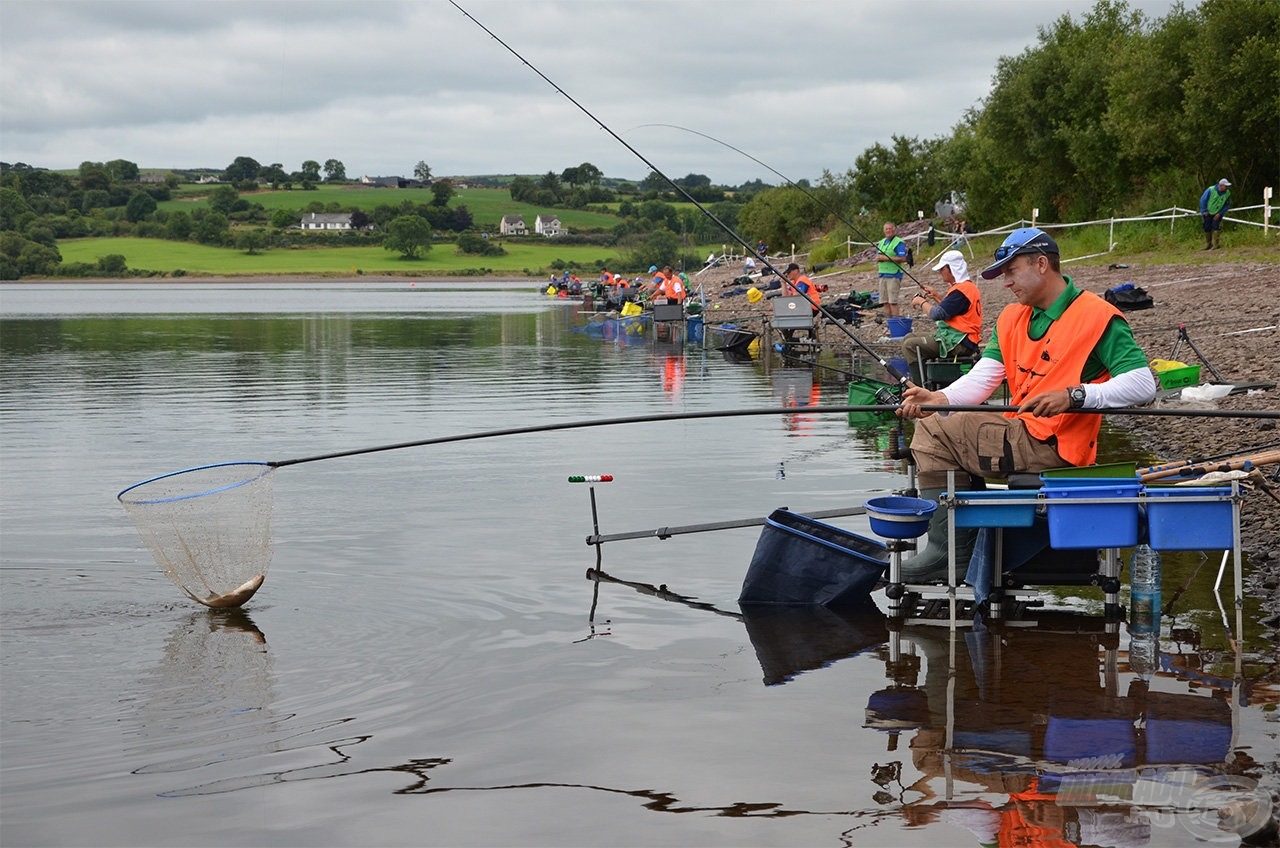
[(652, 268), (1024, 240)]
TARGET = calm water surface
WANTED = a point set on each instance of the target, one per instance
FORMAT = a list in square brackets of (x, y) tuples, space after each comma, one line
[(427, 664)]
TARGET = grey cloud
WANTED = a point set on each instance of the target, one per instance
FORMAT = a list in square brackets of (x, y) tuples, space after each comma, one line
[(805, 85)]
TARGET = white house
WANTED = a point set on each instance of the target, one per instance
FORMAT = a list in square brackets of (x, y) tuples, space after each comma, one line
[(513, 225), (326, 221), (547, 225)]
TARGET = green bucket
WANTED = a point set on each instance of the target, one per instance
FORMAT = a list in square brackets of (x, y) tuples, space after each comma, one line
[(1110, 470)]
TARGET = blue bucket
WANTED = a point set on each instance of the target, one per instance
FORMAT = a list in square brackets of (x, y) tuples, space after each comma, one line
[(896, 517), (898, 327)]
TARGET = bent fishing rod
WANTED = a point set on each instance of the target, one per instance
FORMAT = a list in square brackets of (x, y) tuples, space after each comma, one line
[(898, 377), (831, 210), (773, 410)]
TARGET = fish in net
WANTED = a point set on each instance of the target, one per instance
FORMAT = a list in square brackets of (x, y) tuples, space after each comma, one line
[(209, 528)]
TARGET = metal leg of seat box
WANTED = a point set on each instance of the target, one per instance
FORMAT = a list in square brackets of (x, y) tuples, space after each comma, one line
[(1110, 583)]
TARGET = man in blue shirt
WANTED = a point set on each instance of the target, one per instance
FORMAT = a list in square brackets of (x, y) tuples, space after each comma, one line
[(1214, 203), (891, 256)]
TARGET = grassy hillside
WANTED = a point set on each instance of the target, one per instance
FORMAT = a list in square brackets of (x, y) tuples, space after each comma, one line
[(487, 205), (195, 259)]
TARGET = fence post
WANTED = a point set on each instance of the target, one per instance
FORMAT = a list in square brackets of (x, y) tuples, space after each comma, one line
[(1266, 210)]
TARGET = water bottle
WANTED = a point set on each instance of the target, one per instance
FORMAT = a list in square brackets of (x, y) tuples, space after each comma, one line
[(1144, 610)]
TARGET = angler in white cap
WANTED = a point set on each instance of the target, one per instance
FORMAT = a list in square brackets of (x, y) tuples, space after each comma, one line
[(957, 311), (1214, 203)]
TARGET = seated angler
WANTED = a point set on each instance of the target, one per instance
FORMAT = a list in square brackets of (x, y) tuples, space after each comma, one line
[(958, 313), (1059, 348)]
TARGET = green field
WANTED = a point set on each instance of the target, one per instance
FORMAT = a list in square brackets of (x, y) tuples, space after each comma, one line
[(487, 205), (196, 259)]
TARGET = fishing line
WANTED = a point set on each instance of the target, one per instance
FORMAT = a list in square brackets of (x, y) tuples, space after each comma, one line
[(831, 210), (898, 377)]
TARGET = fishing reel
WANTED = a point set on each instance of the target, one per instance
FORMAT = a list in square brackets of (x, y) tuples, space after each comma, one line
[(888, 396)]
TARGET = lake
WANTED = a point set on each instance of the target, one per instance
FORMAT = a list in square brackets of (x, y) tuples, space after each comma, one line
[(428, 663)]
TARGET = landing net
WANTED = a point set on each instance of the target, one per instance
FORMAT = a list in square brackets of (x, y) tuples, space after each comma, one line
[(209, 528)]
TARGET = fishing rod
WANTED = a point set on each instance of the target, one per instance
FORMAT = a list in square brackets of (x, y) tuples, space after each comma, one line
[(829, 208), (773, 410), (898, 377), (1196, 460)]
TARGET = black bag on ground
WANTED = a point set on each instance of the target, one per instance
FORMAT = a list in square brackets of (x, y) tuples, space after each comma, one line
[(1128, 298)]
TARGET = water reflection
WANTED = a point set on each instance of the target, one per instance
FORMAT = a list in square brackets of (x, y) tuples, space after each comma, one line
[(1028, 732)]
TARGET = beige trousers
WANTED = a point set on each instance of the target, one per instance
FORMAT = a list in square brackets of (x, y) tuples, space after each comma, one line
[(977, 444)]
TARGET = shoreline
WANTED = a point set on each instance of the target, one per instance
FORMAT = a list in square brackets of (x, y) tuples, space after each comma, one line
[(275, 278)]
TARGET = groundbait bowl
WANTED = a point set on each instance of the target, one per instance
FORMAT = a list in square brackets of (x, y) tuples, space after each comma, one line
[(898, 517)]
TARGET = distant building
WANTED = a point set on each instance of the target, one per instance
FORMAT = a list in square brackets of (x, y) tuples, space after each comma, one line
[(547, 225), (513, 225), (153, 178), (326, 221), (205, 179), (382, 182)]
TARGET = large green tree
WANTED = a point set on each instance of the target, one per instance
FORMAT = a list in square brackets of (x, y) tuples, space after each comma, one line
[(409, 235), (243, 169), (334, 171), (139, 207)]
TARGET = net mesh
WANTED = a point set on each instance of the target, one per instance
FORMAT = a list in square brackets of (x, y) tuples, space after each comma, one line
[(209, 528)]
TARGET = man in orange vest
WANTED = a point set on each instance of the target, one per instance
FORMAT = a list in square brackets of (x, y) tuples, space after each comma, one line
[(668, 285), (1059, 348), (958, 314), (799, 284)]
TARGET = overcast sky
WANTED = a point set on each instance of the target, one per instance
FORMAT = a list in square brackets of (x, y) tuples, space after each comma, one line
[(802, 85)]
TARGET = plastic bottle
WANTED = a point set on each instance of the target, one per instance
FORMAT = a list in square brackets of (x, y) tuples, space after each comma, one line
[(1144, 610)]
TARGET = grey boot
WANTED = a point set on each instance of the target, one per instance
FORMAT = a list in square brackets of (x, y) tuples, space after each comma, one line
[(929, 564), (1217, 239)]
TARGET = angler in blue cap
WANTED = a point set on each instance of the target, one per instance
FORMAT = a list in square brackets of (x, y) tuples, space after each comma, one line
[(1059, 348)]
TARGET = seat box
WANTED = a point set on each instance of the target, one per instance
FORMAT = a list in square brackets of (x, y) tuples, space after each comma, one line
[(1075, 524), (792, 313), (666, 312), (989, 508), (1177, 524)]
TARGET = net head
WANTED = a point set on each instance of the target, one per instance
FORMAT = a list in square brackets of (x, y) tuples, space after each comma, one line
[(209, 528)]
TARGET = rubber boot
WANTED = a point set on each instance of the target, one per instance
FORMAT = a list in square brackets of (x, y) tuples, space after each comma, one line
[(1217, 239), (929, 564), (1208, 240)]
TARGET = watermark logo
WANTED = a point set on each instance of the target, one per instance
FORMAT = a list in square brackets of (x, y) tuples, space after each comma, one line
[(1226, 807), (1105, 761), (1215, 808)]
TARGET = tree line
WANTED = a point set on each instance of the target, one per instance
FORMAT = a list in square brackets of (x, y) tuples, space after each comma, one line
[(1111, 114)]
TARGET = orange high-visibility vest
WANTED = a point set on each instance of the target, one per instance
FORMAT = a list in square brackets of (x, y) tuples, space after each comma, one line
[(805, 285), (1034, 366), (970, 322)]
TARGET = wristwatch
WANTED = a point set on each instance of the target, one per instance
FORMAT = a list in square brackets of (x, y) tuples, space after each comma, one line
[(1076, 394)]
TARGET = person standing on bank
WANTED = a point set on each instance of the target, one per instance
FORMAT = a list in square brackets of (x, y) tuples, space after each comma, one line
[(958, 313), (1214, 203), (1059, 348), (891, 255)]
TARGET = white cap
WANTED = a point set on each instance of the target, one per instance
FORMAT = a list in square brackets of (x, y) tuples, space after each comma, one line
[(1224, 182), (955, 260)]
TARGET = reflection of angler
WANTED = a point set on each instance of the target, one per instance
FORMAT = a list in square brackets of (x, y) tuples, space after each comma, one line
[(1027, 712)]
